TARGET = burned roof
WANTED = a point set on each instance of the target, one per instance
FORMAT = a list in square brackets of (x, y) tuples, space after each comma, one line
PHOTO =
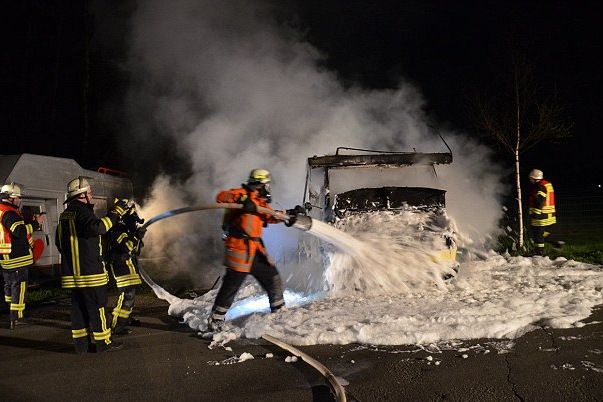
[(381, 159)]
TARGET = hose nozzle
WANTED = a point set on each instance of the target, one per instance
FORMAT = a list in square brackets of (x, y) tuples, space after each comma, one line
[(301, 222)]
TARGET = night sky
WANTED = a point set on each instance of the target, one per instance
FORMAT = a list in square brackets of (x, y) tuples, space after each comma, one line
[(63, 83)]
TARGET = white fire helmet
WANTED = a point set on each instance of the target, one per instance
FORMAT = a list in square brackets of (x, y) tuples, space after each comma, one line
[(77, 186), (536, 174), (12, 190), (259, 176)]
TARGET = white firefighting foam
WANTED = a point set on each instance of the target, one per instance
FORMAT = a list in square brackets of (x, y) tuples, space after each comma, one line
[(494, 296), (398, 258)]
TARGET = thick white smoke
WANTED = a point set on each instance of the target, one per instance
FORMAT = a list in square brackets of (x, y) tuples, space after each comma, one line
[(237, 91)]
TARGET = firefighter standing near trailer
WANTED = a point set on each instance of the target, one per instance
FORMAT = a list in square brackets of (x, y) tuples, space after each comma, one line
[(542, 211), (245, 252), (16, 247), (79, 240), (125, 243)]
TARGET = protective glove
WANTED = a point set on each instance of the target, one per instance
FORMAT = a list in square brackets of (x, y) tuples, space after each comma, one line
[(119, 207), (297, 210), (291, 221), (140, 232), (248, 205)]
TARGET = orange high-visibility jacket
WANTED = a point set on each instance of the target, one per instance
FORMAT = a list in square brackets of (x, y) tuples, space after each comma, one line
[(542, 204), (16, 243), (244, 229)]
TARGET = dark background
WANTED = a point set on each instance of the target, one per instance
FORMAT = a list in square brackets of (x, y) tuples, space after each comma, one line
[(63, 84)]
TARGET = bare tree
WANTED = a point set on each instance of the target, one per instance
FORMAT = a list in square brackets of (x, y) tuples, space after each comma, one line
[(519, 118)]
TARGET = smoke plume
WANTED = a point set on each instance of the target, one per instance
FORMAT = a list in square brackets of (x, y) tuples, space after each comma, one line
[(235, 90)]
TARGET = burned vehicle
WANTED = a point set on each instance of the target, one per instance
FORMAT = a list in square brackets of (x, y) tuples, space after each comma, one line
[(397, 193)]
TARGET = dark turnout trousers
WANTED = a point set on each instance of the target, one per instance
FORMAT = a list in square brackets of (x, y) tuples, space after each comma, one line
[(15, 290), (264, 272), (124, 306), (88, 319)]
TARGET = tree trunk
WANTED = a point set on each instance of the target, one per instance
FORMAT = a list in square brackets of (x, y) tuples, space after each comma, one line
[(519, 202), (517, 175)]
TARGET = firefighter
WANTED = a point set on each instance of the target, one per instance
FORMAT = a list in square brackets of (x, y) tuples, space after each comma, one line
[(125, 243), (542, 211), (79, 240), (245, 252), (16, 247)]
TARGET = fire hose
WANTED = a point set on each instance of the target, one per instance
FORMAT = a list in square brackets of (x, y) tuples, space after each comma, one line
[(301, 222)]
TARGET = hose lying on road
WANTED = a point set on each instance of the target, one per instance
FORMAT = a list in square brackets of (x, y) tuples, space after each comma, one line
[(302, 223), (337, 387)]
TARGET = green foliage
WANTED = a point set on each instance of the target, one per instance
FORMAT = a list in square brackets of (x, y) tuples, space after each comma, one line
[(590, 253), (39, 296)]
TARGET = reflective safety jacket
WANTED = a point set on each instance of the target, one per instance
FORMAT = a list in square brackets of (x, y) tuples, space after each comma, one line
[(243, 229), (123, 247), (79, 239), (16, 243), (542, 204)]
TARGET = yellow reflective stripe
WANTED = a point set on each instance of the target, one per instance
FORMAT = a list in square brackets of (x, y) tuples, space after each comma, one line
[(548, 209), (7, 299), (75, 255), (233, 264), (549, 187), (119, 209), (14, 225), (543, 222), (79, 333), (121, 313), (107, 222), (121, 237), (122, 283), (117, 308), (103, 336), (129, 245), (237, 254), (29, 228), (14, 263), (131, 266), (22, 293), (542, 193), (85, 280)]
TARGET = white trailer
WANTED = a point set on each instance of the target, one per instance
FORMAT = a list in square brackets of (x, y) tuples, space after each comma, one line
[(44, 180)]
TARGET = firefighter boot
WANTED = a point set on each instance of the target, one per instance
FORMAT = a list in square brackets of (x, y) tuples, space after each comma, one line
[(121, 330), (83, 345), (103, 347), (17, 323), (214, 325)]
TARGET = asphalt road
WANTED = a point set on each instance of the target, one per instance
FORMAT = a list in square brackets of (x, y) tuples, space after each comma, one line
[(162, 360)]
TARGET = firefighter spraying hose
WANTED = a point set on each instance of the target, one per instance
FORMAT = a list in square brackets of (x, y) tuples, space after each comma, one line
[(296, 220), (247, 212)]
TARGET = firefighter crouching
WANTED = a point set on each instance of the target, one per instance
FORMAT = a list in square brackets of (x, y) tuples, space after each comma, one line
[(16, 254), (125, 243), (542, 211), (79, 240), (245, 252)]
